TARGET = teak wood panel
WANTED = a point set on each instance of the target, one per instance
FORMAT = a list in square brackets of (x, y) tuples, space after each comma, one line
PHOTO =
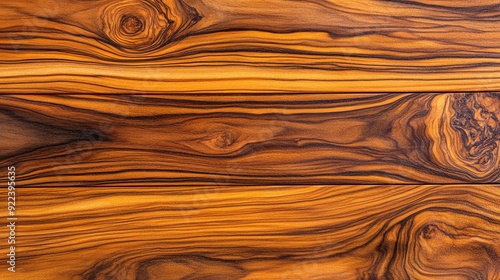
[(340, 232), (69, 140), (186, 46)]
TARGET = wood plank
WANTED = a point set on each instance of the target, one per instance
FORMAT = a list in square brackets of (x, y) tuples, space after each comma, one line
[(92, 140), (246, 232), (213, 46)]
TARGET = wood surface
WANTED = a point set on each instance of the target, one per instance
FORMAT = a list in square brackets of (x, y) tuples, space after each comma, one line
[(251, 139), (88, 140), (214, 46), (307, 232)]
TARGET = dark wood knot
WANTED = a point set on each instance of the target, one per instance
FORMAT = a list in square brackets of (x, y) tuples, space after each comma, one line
[(136, 26), (140, 26), (224, 139), (476, 119), (429, 231), (131, 24)]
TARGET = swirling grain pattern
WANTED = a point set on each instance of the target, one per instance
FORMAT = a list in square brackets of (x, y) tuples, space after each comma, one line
[(201, 46), (246, 232), (88, 140)]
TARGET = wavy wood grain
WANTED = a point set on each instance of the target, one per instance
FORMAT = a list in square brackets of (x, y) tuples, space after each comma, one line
[(186, 46), (341, 232), (232, 139)]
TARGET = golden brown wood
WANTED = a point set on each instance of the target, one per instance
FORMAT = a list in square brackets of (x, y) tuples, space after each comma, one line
[(187, 46), (232, 139), (341, 232), (252, 93)]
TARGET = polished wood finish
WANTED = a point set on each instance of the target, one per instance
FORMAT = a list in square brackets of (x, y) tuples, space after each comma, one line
[(314, 232), (214, 46), (251, 139), (91, 140)]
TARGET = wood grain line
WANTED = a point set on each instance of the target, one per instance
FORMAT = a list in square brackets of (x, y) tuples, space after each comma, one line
[(246, 232), (201, 46), (89, 140)]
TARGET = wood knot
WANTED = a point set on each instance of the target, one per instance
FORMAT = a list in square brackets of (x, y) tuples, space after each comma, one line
[(136, 26), (464, 130), (140, 26), (131, 24), (429, 231), (476, 119), (224, 139)]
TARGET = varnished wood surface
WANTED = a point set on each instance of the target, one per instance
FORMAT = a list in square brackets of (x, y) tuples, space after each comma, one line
[(193, 46), (330, 232), (272, 139), (88, 140)]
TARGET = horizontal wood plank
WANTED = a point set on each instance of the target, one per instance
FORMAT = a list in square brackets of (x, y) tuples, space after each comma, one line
[(313, 232), (88, 140), (195, 46)]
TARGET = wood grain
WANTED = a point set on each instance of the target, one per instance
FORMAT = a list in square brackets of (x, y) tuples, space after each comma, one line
[(194, 46), (88, 140), (341, 232), (263, 139)]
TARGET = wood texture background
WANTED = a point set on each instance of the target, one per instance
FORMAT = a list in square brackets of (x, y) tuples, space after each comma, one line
[(82, 140), (316, 232), (265, 139), (186, 46)]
